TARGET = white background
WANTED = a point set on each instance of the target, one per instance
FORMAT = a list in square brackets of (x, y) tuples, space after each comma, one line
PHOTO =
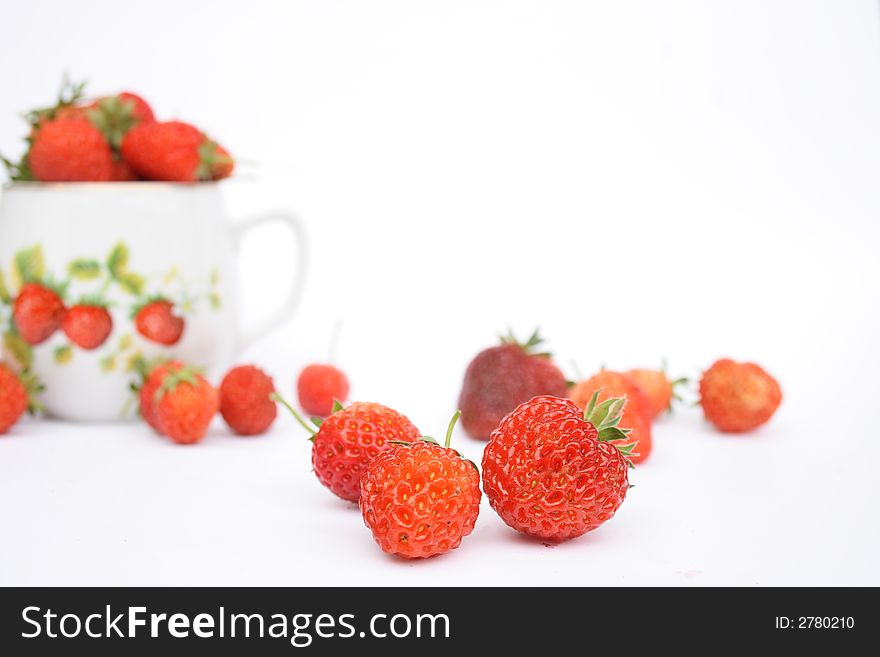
[(682, 179)]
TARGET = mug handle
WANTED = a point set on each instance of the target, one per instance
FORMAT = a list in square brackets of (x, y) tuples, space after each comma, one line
[(291, 300)]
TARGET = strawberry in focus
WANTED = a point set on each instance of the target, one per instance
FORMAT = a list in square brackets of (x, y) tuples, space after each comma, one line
[(157, 322), (658, 388), (420, 499), (738, 397), (184, 405), (344, 443), (175, 152), (245, 402), (318, 386), (87, 325), (636, 412), (37, 312), (555, 472), (500, 378)]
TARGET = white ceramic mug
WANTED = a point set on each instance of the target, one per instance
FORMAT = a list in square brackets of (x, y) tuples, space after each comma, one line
[(128, 243)]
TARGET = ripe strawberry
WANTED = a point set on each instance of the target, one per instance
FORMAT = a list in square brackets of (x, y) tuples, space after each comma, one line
[(420, 499), (13, 398), (345, 443), (157, 322), (184, 405), (87, 324), (115, 115), (245, 401), (176, 152), (659, 390), (319, 386), (555, 472), (500, 378), (738, 397), (636, 413), (153, 378), (71, 149), (37, 312)]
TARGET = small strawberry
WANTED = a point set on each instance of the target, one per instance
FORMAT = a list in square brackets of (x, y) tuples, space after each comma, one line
[(184, 405), (658, 388), (636, 412), (500, 378), (553, 471), (420, 498), (319, 386), (154, 375), (245, 402), (176, 152), (345, 443), (115, 115), (14, 397), (37, 312), (738, 397), (71, 149), (87, 324), (156, 321)]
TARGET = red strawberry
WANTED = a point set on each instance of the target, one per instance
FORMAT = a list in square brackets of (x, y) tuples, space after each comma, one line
[(245, 401), (147, 393), (636, 412), (420, 499), (319, 386), (551, 470), (13, 398), (184, 405), (176, 152), (87, 325), (345, 443), (71, 149), (500, 378), (115, 115), (37, 312), (157, 322), (738, 397), (659, 390)]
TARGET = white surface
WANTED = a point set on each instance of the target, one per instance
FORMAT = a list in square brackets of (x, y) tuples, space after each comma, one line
[(688, 180)]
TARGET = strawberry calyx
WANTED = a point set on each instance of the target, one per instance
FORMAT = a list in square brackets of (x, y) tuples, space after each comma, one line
[(210, 160), (529, 345), (186, 375), (446, 443), (606, 418), (69, 95), (114, 117)]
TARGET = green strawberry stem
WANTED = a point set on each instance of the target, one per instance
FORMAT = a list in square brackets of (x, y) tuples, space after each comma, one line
[(299, 418), (451, 426)]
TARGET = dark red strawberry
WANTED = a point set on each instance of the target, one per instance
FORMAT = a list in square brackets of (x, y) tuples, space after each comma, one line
[(157, 322), (37, 312)]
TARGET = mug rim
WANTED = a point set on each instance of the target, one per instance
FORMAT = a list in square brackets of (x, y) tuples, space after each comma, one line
[(109, 185)]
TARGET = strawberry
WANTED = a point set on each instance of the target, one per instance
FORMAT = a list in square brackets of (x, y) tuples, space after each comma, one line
[(500, 378), (176, 152), (659, 390), (319, 386), (184, 405), (553, 471), (87, 324), (13, 398), (115, 115), (738, 397), (71, 149), (245, 402), (636, 412), (37, 312), (156, 321), (154, 376), (420, 499), (345, 443)]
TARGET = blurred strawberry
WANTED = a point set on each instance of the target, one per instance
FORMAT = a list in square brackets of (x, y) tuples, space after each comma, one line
[(176, 152)]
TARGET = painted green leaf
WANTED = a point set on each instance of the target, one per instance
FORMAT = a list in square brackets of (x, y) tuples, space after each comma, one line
[(84, 270), (214, 300), (63, 354), (215, 277), (30, 264), (125, 341), (108, 363), (131, 283), (18, 349), (117, 261), (5, 297)]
